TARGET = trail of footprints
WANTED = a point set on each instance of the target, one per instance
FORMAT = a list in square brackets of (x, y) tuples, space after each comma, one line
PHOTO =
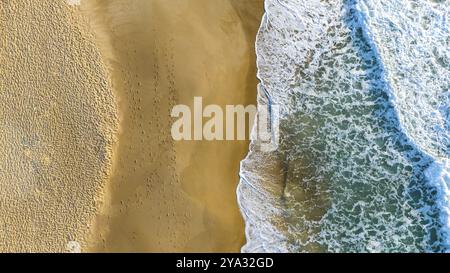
[(152, 162)]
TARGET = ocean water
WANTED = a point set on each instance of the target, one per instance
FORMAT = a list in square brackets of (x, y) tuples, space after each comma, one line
[(363, 162)]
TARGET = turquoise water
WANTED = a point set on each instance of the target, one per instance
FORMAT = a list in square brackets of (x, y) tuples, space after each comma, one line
[(363, 163)]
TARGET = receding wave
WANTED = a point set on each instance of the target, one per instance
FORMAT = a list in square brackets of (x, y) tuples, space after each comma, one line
[(363, 160)]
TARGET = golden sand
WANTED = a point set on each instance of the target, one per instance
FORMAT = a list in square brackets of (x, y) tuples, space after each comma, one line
[(166, 196), (74, 79), (57, 123)]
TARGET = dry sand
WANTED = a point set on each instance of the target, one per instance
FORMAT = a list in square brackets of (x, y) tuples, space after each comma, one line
[(166, 196), (57, 124)]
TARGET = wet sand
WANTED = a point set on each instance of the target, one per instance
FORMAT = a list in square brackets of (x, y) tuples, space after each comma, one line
[(163, 195)]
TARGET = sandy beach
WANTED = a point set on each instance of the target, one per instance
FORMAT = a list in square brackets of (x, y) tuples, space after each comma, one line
[(87, 160), (164, 195)]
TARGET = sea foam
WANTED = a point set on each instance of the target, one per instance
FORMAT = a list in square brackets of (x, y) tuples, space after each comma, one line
[(364, 134)]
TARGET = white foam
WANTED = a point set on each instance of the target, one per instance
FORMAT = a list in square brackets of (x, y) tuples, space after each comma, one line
[(411, 38), (438, 175), (362, 155), (417, 69)]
